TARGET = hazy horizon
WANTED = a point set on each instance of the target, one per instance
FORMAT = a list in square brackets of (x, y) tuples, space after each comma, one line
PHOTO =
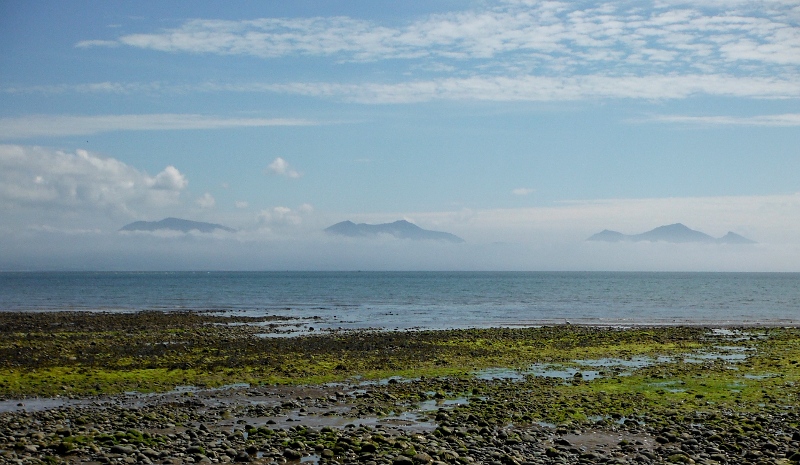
[(523, 127)]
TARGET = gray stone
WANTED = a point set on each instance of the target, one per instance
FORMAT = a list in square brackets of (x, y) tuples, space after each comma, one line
[(292, 454), (118, 449), (422, 457), (403, 460)]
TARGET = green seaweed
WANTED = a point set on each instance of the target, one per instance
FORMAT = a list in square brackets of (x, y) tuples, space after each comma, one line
[(90, 354)]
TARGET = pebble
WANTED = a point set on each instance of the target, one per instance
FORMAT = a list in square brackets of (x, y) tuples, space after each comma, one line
[(498, 426)]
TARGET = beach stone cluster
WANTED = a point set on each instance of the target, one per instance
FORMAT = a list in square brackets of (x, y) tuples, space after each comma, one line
[(274, 426), (391, 398)]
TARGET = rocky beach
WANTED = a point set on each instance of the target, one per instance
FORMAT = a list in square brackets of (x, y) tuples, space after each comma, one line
[(185, 387)]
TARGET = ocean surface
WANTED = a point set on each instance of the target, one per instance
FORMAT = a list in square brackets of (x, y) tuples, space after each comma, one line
[(425, 300)]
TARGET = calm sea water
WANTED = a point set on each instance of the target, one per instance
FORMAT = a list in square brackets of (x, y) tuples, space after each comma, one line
[(424, 299)]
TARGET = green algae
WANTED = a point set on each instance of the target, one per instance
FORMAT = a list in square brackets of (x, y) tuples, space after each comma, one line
[(87, 354), (667, 389)]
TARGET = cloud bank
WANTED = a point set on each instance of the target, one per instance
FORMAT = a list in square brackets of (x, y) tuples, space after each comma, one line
[(550, 35), (516, 51), (36, 178), (54, 250), (41, 187)]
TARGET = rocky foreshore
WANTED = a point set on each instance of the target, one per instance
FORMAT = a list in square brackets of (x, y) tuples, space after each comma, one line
[(694, 396), (264, 426)]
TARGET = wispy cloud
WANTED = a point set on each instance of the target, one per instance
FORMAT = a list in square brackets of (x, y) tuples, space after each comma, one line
[(540, 88), (69, 125), (783, 120), (522, 191), (105, 87), (483, 88), (508, 51), (97, 43), (557, 37)]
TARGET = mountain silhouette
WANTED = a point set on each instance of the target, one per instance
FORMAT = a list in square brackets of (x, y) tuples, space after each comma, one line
[(733, 238), (400, 229), (675, 233), (175, 224)]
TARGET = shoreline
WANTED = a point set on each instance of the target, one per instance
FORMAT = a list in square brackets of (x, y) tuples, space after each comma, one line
[(551, 394), (332, 325)]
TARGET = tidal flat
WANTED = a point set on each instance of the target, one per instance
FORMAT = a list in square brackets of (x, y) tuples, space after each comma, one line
[(188, 387)]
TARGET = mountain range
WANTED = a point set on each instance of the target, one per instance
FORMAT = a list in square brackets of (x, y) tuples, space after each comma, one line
[(400, 229), (175, 224), (674, 233)]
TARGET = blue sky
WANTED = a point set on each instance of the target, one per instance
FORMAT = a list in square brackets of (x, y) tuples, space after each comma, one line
[(522, 126)]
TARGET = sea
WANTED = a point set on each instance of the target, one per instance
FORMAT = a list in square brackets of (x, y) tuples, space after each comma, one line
[(423, 300)]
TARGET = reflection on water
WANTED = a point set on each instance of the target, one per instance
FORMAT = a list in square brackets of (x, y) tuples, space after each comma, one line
[(617, 366), (435, 404)]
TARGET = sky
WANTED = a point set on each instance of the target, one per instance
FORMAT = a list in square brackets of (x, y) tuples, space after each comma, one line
[(522, 126)]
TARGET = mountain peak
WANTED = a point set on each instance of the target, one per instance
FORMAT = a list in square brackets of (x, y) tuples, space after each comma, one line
[(175, 224), (400, 229), (673, 227), (673, 233), (733, 238)]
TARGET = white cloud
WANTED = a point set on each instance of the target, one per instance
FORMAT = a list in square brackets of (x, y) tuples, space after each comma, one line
[(241, 204), (524, 87), (70, 125), (105, 87), (783, 120), (550, 36), (521, 51), (169, 179), (97, 43), (206, 201), (283, 217), (35, 177), (479, 87), (281, 167), (278, 216), (544, 89), (522, 191)]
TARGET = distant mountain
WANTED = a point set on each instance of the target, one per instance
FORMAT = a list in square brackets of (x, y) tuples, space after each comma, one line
[(400, 229), (608, 236), (175, 224), (733, 238), (675, 233)]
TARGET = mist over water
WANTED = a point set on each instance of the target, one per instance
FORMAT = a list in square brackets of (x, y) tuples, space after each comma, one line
[(401, 300)]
